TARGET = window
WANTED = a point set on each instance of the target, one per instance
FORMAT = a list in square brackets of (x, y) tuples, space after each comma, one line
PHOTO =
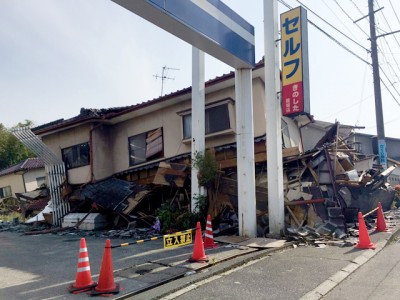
[(5, 192), (40, 180), (145, 146), (76, 156), (216, 120)]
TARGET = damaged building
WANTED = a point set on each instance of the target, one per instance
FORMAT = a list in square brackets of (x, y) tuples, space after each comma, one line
[(130, 162)]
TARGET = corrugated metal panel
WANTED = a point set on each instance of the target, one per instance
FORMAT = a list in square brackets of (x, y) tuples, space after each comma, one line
[(34, 143), (54, 167)]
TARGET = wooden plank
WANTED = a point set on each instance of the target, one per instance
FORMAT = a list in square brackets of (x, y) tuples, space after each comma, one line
[(134, 201), (258, 157), (263, 243), (162, 172), (231, 239), (293, 215), (260, 147), (151, 136), (293, 151)]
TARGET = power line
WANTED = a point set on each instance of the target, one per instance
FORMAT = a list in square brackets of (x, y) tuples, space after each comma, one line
[(333, 27), (359, 10), (394, 36), (391, 83), (339, 19), (347, 15), (328, 35), (394, 11), (390, 67)]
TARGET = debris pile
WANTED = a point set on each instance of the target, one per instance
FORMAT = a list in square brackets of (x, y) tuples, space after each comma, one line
[(324, 189)]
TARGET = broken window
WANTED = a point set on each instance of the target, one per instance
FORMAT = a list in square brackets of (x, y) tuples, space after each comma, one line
[(5, 192), (145, 146), (216, 120), (76, 156)]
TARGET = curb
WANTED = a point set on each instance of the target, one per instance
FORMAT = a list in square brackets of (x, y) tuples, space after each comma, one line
[(329, 284)]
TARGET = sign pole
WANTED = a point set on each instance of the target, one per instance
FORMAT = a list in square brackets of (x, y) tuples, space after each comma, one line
[(273, 115), (198, 116), (245, 153)]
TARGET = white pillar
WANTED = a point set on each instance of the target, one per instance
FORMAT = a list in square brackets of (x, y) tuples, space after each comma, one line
[(273, 115), (245, 153), (198, 115)]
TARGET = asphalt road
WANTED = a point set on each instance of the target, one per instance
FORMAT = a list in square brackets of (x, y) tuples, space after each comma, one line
[(376, 280), (43, 266)]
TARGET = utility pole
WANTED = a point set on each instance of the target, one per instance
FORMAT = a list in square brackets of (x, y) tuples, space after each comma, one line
[(273, 114), (380, 128), (164, 77)]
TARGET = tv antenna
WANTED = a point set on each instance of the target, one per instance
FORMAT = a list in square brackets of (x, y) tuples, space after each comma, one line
[(164, 76)]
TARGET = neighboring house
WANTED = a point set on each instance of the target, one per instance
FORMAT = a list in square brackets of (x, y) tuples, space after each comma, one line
[(23, 177), (368, 145), (129, 142), (363, 143)]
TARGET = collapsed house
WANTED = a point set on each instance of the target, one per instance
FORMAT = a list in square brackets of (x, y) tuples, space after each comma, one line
[(133, 164)]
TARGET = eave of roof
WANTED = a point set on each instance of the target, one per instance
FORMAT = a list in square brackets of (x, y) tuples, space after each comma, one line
[(27, 164), (108, 114)]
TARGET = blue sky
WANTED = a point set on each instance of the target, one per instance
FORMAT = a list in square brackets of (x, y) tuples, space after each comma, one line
[(57, 56)]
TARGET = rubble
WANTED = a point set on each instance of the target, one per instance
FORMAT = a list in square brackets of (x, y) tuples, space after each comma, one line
[(324, 189)]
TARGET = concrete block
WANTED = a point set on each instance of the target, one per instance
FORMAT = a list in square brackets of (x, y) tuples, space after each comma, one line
[(94, 221)]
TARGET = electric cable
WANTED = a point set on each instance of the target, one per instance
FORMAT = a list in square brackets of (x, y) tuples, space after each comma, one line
[(330, 36), (333, 27), (390, 1), (347, 15)]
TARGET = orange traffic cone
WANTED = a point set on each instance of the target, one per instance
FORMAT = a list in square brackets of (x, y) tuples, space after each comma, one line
[(380, 221), (198, 251), (106, 285), (364, 242), (208, 236), (83, 280)]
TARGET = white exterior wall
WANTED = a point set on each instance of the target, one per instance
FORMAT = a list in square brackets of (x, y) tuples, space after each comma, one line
[(67, 138), (110, 149), (30, 178)]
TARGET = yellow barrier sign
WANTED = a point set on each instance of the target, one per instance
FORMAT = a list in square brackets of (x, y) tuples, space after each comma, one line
[(178, 239)]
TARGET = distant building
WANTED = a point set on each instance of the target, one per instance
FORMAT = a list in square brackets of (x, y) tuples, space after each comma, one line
[(363, 143), (23, 177)]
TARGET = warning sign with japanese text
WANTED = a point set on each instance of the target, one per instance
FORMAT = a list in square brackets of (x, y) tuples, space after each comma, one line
[(178, 239), (294, 55)]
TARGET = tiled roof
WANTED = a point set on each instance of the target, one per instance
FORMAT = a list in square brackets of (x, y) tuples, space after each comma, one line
[(110, 193), (87, 114), (27, 164)]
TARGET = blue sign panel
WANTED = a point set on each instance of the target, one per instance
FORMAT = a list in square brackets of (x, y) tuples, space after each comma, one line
[(382, 153), (209, 25)]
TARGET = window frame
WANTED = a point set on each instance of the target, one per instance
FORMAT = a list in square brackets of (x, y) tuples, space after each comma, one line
[(80, 160), (228, 102), (41, 180), (3, 195), (152, 139)]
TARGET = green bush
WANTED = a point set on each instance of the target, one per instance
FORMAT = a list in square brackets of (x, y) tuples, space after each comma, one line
[(207, 167), (174, 219)]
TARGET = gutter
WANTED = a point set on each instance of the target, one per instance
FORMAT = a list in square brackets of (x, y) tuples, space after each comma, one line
[(91, 148)]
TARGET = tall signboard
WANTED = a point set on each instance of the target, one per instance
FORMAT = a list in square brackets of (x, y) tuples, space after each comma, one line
[(294, 59)]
